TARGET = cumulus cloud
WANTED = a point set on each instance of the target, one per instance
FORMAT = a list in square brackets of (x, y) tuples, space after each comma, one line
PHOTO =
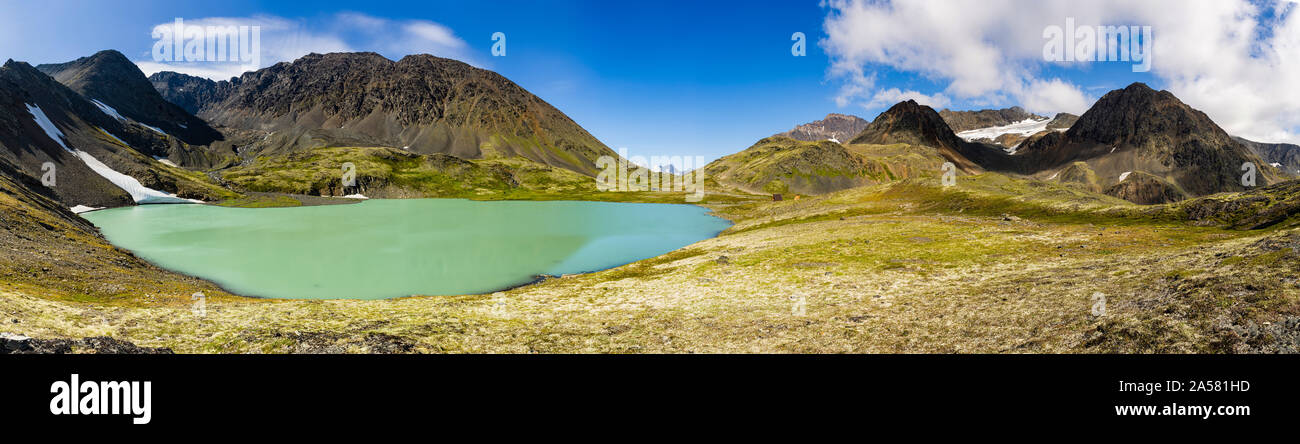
[(286, 39), (1233, 59), (891, 96)]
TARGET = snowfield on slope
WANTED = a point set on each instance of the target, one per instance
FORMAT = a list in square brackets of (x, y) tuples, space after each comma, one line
[(1027, 127), (107, 110), (139, 193)]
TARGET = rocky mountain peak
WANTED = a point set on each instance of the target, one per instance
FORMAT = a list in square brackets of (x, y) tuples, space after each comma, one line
[(911, 123), (841, 127), (422, 103), (111, 79), (1136, 114)]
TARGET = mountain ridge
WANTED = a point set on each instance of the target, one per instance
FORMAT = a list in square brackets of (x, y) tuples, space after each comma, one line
[(422, 103), (109, 77), (985, 118), (911, 123), (1138, 129)]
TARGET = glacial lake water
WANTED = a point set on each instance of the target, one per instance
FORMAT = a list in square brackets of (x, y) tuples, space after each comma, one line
[(391, 248)]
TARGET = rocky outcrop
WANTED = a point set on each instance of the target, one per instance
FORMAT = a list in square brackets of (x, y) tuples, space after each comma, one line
[(186, 91), (18, 344), (1062, 121), (1284, 154), (1259, 208), (1080, 175), (1142, 188)]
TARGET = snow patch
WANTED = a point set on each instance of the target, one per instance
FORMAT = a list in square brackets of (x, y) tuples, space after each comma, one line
[(82, 209), (165, 161), (111, 136), (156, 130), (1058, 173), (44, 122), (1124, 175), (107, 110), (139, 193), (1027, 127), (834, 140), (1276, 165), (355, 196)]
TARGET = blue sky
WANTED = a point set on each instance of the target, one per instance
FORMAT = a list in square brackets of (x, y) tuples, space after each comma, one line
[(679, 78)]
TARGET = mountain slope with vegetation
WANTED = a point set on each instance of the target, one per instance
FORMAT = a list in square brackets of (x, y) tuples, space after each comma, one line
[(423, 104), (919, 125), (991, 265), (778, 164), (878, 256)]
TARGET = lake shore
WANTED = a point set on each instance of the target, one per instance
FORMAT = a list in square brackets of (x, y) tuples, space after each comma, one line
[(993, 265)]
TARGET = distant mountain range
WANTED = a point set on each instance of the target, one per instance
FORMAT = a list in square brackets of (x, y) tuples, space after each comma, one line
[(1284, 156), (839, 127), (420, 126), (427, 125), (1135, 143), (969, 120), (1147, 147)]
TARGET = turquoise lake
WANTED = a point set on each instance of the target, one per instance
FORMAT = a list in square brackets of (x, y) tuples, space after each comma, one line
[(391, 248)]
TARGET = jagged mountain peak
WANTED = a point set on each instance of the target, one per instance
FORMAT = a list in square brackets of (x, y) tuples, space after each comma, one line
[(110, 79)]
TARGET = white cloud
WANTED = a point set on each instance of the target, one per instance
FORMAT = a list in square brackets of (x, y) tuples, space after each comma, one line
[(1051, 96), (892, 96), (214, 71), (286, 39), (1210, 53), (434, 33)]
